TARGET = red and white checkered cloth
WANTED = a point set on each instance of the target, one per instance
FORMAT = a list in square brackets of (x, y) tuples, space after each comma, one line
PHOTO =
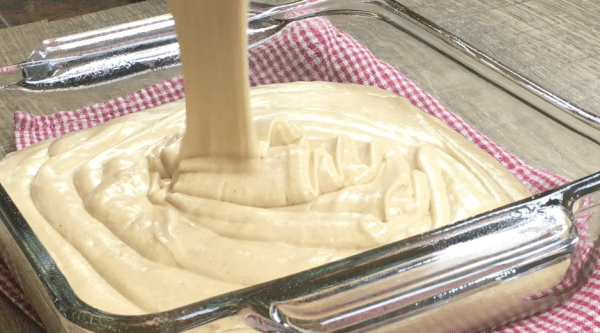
[(313, 50)]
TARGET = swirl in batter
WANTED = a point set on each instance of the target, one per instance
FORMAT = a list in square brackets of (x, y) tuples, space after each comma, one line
[(342, 169)]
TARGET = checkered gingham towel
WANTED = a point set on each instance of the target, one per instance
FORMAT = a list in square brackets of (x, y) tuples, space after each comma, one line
[(313, 50)]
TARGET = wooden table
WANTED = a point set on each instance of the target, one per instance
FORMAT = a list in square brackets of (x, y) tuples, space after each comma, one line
[(554, 42)]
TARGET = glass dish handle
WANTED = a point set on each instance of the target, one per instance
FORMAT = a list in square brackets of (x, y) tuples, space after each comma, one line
[(530, 257), (102, 56)]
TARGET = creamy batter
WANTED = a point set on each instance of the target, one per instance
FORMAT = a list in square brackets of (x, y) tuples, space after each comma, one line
[(161, 209), (213, 43), (342, 168)]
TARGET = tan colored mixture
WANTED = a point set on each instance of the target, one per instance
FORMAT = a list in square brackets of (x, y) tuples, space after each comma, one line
[(143, 216), (213, 43), (342, 168)]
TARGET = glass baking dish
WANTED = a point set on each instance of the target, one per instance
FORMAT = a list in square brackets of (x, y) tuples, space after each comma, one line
[(372, 291)]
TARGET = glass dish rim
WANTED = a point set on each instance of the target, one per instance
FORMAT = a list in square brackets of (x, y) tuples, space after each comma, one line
[(76, 311)]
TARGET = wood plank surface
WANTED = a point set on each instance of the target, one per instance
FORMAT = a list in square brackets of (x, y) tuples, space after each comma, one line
[(554, 42)]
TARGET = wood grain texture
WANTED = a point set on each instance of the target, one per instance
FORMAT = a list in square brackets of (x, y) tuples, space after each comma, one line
[(17, 12), (554, 42)]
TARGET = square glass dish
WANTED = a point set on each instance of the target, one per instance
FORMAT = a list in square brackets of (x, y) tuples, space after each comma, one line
[(397, 287)]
